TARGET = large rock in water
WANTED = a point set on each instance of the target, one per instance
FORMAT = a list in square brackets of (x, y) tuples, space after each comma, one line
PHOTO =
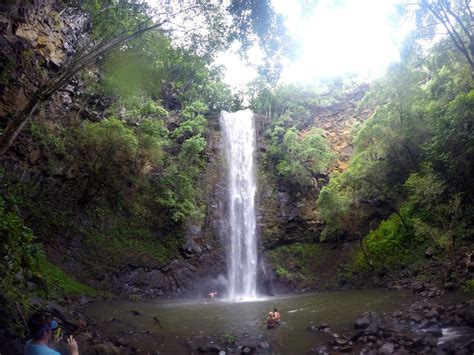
[(371, 319), (362, 323)]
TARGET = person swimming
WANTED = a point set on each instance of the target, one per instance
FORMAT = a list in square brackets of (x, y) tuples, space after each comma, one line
[(276, 315), (270, 320), (212, 294), (273, 319)]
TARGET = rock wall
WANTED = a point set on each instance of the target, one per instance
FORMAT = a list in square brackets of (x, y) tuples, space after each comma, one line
[(288, 215)]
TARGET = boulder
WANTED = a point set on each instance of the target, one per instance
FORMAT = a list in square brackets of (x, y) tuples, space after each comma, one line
[(468, 315), (418, 287), (470, 266), (320, 350), (247, 350), (210, 348), (449, 286), (362, 323), (387, 348), (191, 247), (105, 349)]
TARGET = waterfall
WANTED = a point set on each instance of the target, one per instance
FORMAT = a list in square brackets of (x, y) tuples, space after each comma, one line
[(239, 146)]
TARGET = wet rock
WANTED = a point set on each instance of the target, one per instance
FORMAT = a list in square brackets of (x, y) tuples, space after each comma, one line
[(318, 327), (357, 335), (449, 286), (83, 300), (210, 348), (247, 350), (264, 345), (362, 323), (418, 287), (191, 247), (470, 266), (468, 315), (320, 350), (435, 331), (104, 349), (345, 348), (387, 348)]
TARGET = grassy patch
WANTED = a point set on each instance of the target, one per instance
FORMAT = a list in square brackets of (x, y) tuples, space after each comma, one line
[(58, 283), (118, 242)]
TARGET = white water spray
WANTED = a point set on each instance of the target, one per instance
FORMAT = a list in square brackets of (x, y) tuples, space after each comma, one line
[(239, 145)]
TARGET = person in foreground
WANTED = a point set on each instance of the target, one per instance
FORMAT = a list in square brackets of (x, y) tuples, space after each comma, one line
[(45, 334)]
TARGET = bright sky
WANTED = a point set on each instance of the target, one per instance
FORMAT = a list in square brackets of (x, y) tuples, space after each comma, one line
[(343, 37), (339, 37)]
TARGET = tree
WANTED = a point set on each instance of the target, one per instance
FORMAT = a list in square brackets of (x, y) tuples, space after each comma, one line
[(111, 149), (132, 19), (457, 19)]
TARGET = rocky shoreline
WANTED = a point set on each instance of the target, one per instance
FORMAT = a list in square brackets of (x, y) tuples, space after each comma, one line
[(424, 326)]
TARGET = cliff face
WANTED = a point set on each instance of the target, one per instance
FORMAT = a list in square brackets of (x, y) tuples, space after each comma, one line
[(45, 184), (288, 216)]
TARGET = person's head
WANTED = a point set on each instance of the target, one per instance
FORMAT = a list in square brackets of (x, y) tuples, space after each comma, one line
[(275, 310), (41, 326), (270, 314)]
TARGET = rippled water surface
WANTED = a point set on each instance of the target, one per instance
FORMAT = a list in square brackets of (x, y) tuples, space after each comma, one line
[(180, 319)]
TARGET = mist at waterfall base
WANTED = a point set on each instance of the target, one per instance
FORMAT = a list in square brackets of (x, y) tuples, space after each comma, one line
[(239, 142)]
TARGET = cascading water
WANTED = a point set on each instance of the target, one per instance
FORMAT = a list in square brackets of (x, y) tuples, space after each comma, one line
[(239, 145)]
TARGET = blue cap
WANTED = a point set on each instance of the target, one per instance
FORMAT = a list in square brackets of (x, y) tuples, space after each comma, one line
[(39, 333), (54, 324)]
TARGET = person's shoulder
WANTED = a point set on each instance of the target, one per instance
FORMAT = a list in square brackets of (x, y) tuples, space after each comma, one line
[(32, 349)]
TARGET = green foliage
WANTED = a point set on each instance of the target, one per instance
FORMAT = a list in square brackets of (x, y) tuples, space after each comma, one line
[(294, 261), (7, 65), (334, 205), (393, 244), (53, 140), (151, 67), (229, 337), (451, 148), (300, 156), (175, 188), (18, 251), (439, 218), (110, 18), (106, 151), (468, 287), (283, 273)]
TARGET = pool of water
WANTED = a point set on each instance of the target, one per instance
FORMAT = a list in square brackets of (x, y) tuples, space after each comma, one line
[(179, 319)]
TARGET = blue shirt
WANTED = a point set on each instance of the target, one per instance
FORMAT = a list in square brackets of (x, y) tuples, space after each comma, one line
[(38, 349)]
